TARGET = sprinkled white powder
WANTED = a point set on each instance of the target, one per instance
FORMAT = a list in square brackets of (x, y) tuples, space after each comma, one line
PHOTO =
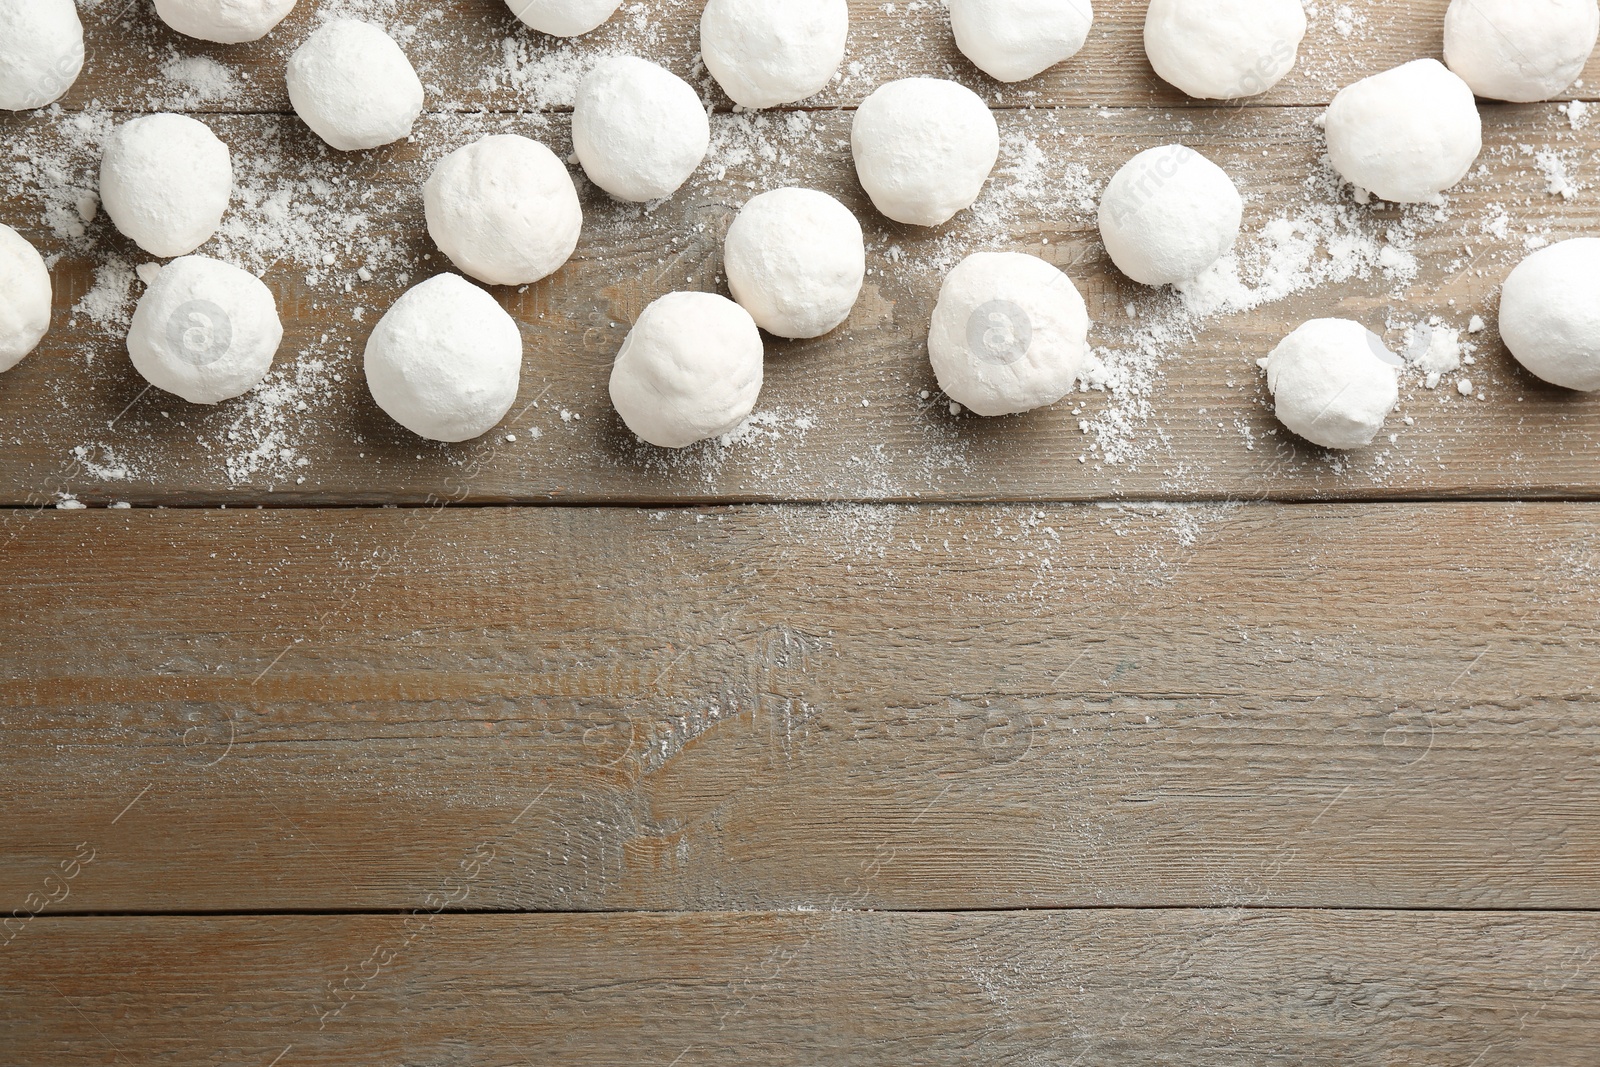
[(201, 79), (109, 304)]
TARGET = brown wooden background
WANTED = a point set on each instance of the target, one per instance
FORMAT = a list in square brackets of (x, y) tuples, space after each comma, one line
[(888, 736)]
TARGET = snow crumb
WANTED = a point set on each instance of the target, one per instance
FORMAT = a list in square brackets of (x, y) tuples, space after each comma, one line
[(1557, 182), (1434, 350)]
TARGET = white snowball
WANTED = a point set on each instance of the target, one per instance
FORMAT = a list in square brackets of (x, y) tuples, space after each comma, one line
[(445, 360), (1334, 382), (353, 86), (796, 260), (1168, 215), (769, 52), (504, 210), (1550, 314), (1012, 40), (25, 294), (165, 181), (923, 149), (1520, 50), (1224, 49), (205, 330), (564, 18), (1407, 134), (1009, 333), (638, 130), (41, 52), (691, 369), (224, 21)]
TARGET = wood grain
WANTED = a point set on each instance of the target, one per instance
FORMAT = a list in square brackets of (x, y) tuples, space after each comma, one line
[(805, 708), (764, 784), (1209, 989), (473, 55), (844, 417)]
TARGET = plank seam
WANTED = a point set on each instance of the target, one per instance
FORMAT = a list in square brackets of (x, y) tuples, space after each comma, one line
[(690, 913)]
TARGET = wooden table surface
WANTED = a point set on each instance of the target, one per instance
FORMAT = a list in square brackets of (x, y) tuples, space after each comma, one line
[(1130, 731)]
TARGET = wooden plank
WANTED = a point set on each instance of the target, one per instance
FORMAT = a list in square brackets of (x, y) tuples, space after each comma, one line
[(853, 416), (784, 708), (1211, 989), (473, 55)]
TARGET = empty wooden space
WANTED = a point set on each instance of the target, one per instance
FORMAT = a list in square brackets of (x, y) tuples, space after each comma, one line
[(739, 708), (1129, 731), (1212, 989)]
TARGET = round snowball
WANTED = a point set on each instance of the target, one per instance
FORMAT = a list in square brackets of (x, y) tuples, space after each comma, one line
[(1407, 134), (1334, 382), (1223, 49), (41, 52), (796, 260), (638, 130), (224, 21), (24, 298), (691, 369), (1550, 314), (1009, 333), (923, 149), (564, 18), (445, 360), (205, 330), (1013, 40), (1520, 50), (165, 181), (354, 87), (769, 52), (504, 210), (1168, 215)]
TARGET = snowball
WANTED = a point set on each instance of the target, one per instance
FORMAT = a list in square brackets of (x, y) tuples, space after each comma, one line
[(1224, 49), (1009, 333), (353, 86), (445, 360), (25, 294), (1335, 382), (923, 149), (690, 369), (1407, 134), (205, 330), (1012, 40), (1520, 50), (165, 181), (1168, 215), (563, 18), (41, 52), (504, 210), (795, 259), (769, 52), (224, 21), (638, 130), (1550, 313)]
